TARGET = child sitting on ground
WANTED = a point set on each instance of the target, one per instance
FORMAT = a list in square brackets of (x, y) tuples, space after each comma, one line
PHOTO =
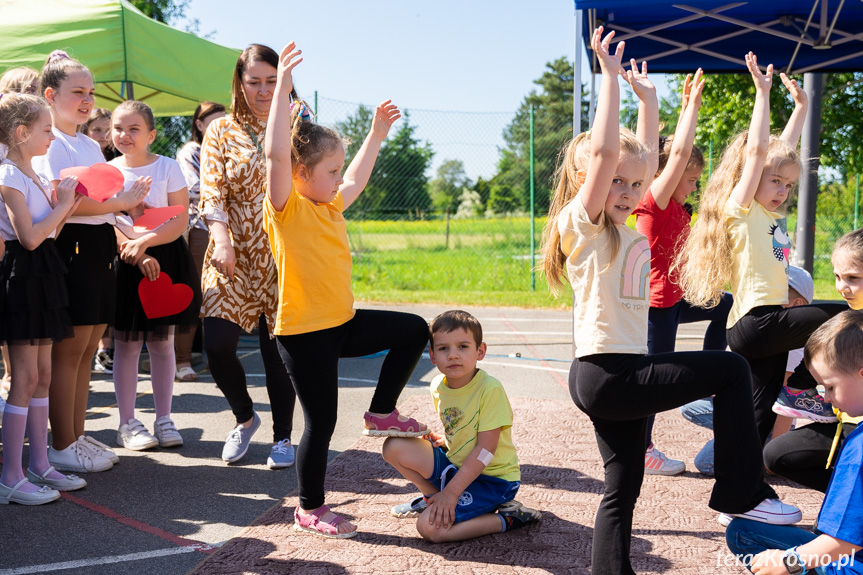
[(473, 470), (834, 356)]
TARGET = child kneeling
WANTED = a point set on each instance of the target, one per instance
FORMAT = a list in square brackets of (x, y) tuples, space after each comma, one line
[(470, 476)]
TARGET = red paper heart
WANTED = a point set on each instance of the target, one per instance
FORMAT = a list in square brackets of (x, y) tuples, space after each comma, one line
[(98, 182), (155, 217), (163, 297)]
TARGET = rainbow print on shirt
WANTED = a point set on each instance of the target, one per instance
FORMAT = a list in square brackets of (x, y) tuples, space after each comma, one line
[(635, 272)]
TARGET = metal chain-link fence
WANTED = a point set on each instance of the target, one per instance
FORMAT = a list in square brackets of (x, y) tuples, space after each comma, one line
[(447, 211)]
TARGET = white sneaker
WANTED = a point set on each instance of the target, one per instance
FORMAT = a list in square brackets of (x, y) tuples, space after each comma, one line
[(656, 463), (724, 519), (166, 432), (772, 511), (77, 459), (133, 435), (98, 448)]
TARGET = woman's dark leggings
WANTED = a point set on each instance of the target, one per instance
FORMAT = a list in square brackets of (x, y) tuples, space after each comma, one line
[(220, 342), (662, 323), (801, 454), (619, 391), (764, 336), (312, 360)]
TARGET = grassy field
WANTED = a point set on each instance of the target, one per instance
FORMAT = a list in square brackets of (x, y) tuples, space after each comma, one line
[(484, 262)]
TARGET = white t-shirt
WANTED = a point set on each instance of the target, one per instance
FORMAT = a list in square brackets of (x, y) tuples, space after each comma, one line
[(68, 152), (167, 178), (611, 296), (37, 203)]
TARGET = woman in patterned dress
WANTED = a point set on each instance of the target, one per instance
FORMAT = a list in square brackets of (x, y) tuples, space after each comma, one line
[(239, 280)]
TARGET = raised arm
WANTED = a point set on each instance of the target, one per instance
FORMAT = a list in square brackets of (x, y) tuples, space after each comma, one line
[(647, 130), (759, 134), (605, 134), (277, 142), (664, 185), (360, 170), (794, 127)]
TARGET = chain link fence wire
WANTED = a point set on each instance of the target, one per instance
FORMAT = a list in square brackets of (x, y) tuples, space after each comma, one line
[(447, 208)]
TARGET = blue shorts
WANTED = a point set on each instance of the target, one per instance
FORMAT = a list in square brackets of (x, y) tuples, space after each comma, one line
[(482, 496)]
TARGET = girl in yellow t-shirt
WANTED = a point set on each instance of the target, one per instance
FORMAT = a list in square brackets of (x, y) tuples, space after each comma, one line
[(316, 323), (741, 238)]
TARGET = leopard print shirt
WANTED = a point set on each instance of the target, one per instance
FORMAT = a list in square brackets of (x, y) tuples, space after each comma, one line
[(233, 180)]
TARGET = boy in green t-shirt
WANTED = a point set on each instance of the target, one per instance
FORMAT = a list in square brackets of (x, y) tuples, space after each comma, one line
[(469, 476)]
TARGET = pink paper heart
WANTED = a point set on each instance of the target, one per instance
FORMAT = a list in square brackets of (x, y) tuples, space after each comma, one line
[(155, 217), (98, 182), (162, 298)]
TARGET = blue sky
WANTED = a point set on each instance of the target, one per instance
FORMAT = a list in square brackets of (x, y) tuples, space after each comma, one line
[(476, 56)]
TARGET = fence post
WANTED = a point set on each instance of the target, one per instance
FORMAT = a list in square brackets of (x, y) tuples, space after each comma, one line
[(856, 201), (532, 212), (316, 105), (447, 227)]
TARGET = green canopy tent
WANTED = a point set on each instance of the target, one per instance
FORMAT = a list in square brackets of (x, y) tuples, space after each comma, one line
[(129, 54)]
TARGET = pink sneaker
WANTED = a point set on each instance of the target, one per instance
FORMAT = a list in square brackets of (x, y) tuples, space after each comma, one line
[(393, 425)]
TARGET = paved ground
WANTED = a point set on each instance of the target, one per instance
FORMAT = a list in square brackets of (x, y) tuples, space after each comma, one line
[(162, 511)]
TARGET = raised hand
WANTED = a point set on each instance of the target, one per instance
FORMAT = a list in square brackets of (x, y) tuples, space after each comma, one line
[(288, 60), (696, 88), (136, 194), (763, 82), (385, 115), (641, 85), (610, 63), (797, 93)]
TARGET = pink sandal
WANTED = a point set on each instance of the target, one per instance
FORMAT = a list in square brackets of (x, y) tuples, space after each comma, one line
[(393, 425), (312, 523)]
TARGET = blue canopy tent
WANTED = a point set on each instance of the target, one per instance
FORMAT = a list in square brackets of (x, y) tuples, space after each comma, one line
[(797, 36)]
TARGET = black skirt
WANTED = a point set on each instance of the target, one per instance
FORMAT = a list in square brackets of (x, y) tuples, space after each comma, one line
[(175, 260), (33, 299), (89, 252)]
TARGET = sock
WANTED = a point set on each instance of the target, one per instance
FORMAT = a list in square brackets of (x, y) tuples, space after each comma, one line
[(503, 524), (14, 425), (126, 356), (37, 431), (162, 369)]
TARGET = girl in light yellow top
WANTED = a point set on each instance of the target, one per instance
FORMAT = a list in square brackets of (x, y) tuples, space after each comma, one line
[(600, 180), (316, 323), (741, 238)]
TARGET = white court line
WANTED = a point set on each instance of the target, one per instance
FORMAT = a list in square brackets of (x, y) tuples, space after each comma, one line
[(536, 367), (526, 332), (100, 561)]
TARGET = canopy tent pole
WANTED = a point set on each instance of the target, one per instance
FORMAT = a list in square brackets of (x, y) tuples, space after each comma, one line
[(804, 255), (576, 83)]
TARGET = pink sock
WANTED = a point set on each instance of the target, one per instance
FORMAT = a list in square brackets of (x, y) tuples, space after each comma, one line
[(14, 425), (126, 356), (162, 368), (37, 431)]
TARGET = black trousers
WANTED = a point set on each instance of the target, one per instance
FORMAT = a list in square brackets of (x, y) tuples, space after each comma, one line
[(220, 342), (620, 391), (312, 361), (764, 336), (801, 454)]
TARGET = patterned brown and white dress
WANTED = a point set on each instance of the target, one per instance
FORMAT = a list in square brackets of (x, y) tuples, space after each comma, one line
[(233, 184)]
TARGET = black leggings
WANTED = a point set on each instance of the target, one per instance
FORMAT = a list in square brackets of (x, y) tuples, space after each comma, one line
[(620, 391), (764, 336), (801, 454), (312, 360), (220, 342)]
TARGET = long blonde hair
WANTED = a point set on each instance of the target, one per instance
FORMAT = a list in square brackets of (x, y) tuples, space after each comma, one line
[(574, 158), (704, 264)]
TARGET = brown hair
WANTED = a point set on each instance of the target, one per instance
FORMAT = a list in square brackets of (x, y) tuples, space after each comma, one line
[(57, 69), (574, 158), (310, 141), (95, 115), (449, 321), (203, 110), (138, 108), (254, 53), (696, 158), (852, 242), (18, 110), (838, 343), (17, 80)]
